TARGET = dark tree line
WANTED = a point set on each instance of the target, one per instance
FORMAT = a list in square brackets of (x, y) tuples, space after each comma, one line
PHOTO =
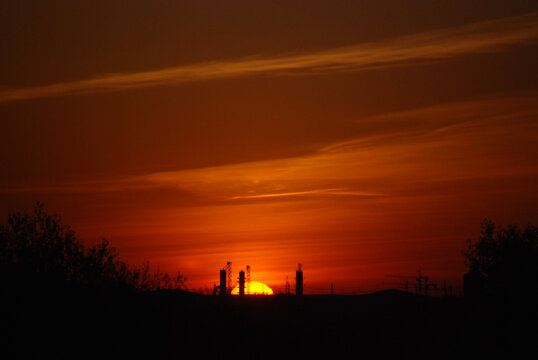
[(37, 249), (506, 261), (501, 290)]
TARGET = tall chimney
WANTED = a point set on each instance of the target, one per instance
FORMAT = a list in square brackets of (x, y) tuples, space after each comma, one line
[(299, 281), (241, 283), (222, 282)]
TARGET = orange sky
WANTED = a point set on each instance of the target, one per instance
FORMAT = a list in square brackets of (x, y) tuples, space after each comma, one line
[(359, 138)]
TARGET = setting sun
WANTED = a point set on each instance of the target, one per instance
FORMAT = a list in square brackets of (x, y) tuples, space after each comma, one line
[(256, 288)]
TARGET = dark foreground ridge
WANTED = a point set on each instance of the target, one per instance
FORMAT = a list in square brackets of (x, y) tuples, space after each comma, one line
[(174, 323)]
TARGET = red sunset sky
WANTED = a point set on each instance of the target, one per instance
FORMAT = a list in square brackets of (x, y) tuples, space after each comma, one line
[(359, 138)]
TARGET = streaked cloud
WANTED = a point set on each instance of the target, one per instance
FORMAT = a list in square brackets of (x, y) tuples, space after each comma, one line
[(447, 142), (487, 36), (341, 192), (483, 138)]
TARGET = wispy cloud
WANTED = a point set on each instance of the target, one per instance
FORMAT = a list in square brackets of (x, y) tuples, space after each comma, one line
[(447, 142), (341, 192), (487, 36), (482, 138)]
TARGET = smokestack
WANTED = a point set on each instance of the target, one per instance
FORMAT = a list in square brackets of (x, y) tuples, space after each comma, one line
[(222, 282), (248, 279), (241, 283), (299, 281)]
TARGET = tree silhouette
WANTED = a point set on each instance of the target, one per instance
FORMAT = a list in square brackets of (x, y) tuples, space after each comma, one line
[(39, 250), (507, 259)]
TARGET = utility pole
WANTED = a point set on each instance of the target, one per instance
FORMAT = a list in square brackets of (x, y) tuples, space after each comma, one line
[(419, 283)]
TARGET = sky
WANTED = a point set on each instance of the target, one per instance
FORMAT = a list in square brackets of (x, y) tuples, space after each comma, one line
[(358, 138)]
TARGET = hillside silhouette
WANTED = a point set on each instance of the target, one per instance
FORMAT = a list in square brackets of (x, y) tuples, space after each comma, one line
[(62, 298)]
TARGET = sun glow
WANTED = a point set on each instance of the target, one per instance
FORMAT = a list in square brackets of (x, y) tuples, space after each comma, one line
[(256, 288)]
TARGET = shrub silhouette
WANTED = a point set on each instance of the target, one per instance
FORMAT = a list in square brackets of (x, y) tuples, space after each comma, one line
[(39, 250)]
